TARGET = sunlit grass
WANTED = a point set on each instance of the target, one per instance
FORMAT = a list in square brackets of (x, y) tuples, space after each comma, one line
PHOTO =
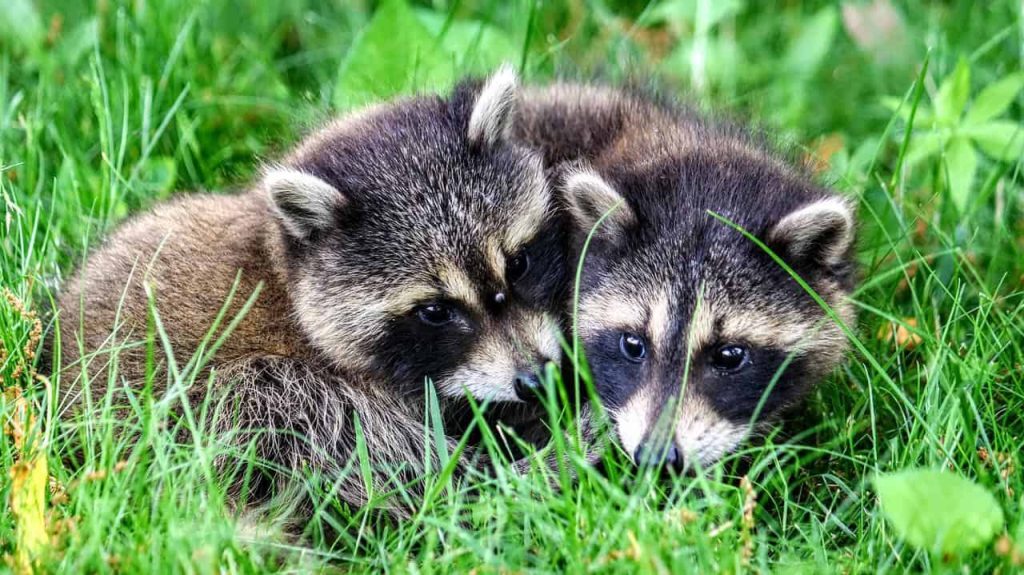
[(106, 109)]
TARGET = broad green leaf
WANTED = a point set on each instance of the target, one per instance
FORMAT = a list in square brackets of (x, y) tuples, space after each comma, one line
[(953, 94), (939, 512), (961, 164), (995, 99), (470, 45), (809, 48), (20, 21), (1002, 140), (394, 54), (923, 146)]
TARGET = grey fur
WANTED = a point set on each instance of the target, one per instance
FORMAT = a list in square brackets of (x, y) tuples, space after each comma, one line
[(663, 268), (369, 220)]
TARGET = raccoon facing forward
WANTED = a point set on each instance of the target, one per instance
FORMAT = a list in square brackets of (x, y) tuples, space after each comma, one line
[(694, 335), (407, 242)]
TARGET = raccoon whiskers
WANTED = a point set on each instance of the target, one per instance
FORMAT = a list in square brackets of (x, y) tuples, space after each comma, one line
[(717, 440), (543, 333), (476, 382)]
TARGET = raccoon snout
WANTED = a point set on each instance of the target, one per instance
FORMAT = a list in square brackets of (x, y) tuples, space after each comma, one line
[(527, 385), (657, 455)]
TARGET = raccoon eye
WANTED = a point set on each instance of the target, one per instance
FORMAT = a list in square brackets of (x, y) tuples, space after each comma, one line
[(435, 314), (516, 267), (730, 357), (633, 347)]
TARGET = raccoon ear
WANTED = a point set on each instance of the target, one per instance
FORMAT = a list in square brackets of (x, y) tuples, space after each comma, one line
[(819, 234), (491, 119), (590, 197), (304, 203)]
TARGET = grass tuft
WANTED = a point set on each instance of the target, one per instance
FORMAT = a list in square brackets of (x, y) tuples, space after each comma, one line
[(107, 108)]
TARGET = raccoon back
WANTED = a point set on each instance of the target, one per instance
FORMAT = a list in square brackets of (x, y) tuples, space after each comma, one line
[(188, 255)]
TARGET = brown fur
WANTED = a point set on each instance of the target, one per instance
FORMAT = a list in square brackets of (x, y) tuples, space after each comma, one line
[(660, 269), (202, 242), (343, 242), (272, 380)]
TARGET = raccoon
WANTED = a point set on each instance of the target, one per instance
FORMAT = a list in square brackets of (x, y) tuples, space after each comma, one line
[(695, 336), (410, 241)]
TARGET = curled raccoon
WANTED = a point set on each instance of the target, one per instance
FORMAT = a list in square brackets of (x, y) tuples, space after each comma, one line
[(406, 242), (694, 335)]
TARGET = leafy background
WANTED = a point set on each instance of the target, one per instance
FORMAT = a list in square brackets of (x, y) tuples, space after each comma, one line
[(909, 458)]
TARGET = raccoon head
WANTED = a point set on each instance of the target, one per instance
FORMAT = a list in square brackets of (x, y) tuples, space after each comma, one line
[(421, 243), (694, 335)]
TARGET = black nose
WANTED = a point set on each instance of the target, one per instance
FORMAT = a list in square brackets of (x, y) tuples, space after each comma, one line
[(654, 454), (527, 385)]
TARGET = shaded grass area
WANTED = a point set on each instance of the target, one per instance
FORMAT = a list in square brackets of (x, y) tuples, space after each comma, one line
[(106, 109)]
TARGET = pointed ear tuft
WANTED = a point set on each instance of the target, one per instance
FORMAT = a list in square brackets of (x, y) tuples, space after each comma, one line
[(817, 234), (590, 197), (304, 203), (492, 113)]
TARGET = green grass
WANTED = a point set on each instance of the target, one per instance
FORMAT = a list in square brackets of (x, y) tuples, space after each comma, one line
[(109, 107)]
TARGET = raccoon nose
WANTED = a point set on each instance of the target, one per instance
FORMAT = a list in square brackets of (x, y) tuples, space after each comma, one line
[(651, 454), (527, 385)]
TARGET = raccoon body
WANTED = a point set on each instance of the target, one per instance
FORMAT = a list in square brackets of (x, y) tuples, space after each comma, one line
[(694, 335), (408, 242)]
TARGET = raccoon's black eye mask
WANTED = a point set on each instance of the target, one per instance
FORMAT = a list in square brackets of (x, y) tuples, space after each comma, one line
[(726, 358), (517, 266), (536, 271)]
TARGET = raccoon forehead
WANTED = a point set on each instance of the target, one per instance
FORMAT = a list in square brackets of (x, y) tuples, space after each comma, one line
[(399, 288), (402, 294), (375, 297), (531, 204), (461, 207), (776, 329), (614, 308), (655, 312), (789, 329), (626, 291), (402, 267)]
